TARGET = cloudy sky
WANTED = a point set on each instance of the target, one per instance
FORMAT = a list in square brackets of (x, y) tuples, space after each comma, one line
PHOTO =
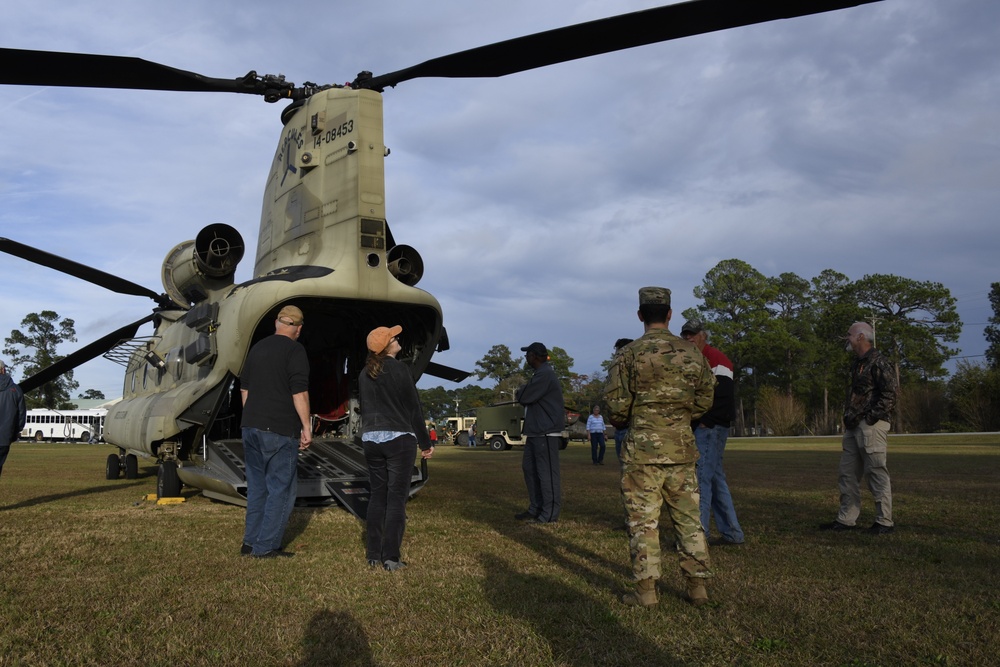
[(864, 141)]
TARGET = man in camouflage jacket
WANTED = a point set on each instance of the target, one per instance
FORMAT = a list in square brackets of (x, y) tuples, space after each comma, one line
[(870, 401), (657, 385)]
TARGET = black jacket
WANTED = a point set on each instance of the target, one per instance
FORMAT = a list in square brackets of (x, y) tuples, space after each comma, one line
[(12, 410), (543, 403), (390, 402)]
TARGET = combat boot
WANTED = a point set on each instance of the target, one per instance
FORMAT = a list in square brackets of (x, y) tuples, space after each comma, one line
[(644, 595), (696, 592)]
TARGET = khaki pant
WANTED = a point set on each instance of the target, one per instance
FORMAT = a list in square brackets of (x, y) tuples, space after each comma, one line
[(864, 453), (645, 489)]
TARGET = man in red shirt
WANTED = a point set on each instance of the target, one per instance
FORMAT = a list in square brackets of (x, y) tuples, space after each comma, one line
[(710, 434)]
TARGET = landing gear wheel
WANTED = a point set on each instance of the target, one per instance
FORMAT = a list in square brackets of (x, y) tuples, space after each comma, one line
[(168, 485), (114, 467), (131, 466), (497, 444)]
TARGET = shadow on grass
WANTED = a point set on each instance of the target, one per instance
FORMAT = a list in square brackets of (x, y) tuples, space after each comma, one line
[(569, 556), (336, 638), (55, 497), (566, 618)]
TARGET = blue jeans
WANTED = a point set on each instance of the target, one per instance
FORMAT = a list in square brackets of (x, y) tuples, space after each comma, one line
[(715, 496), (597, 446), (272, 485), (620, 434), (390, 472)]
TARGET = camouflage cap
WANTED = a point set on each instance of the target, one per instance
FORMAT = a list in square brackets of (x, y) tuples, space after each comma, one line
[(692, 326), (654, 296)]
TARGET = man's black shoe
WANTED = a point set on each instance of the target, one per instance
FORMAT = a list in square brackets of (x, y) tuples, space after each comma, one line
[(372, 563), (723, 542), (246, 550), (524, 516), (879, 529), (835, 526), (274, 553)]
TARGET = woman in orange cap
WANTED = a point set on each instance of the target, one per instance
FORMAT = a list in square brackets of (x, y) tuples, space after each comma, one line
[(392, 426)]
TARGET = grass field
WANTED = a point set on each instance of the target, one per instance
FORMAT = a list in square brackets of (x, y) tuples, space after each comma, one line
[(93, 574)]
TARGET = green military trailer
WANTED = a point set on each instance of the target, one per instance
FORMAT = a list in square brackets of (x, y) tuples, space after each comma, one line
[(500, 426)]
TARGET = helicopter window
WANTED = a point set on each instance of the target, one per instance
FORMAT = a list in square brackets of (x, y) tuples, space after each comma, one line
[(372, 260)]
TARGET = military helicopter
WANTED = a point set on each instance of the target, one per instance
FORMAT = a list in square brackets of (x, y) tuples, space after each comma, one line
[(324, 245)]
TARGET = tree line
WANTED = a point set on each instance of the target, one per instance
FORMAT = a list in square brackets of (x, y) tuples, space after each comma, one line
[(785, 337)]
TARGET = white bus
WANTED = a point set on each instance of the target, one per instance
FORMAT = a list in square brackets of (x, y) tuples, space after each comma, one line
[(64, 425)]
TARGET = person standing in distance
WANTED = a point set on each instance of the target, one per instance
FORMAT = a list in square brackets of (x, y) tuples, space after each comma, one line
[(392, 426), (710, 433), (276, 425), (657, 385), (620, 429), (13, 413), (596, 429), (870, 402), (544, 420)]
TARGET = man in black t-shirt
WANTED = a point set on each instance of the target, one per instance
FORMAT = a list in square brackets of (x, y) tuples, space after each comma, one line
[(276, 424)]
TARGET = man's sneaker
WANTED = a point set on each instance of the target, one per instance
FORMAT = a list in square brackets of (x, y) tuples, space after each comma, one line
[(879, 529), (274, 553), (246, 550), (393, 565), (835, 526), (525, 516), (372, 563)]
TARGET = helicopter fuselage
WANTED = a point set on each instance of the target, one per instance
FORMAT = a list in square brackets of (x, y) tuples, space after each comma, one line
[(324, 246)]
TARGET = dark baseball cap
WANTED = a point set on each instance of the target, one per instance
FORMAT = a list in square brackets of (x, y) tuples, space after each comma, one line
[(536, 349)]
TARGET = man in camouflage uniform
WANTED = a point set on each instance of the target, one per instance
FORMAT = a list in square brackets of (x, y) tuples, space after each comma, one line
[(870, 401), (657, 384)]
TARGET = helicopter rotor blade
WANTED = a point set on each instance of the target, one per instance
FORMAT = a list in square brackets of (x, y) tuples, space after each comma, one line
[(83, 355), (80, 70), (446, 372), (77, 270), (615, 33)]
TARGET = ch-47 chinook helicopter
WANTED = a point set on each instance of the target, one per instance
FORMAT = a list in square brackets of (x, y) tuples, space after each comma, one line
[(323, 245)]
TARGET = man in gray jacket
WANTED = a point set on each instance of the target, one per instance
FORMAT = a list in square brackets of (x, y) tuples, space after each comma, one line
[(12, 413), (544, 420)]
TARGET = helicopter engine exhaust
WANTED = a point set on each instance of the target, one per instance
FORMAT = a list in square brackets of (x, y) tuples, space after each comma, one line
[(194, 268), (405, 264)]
